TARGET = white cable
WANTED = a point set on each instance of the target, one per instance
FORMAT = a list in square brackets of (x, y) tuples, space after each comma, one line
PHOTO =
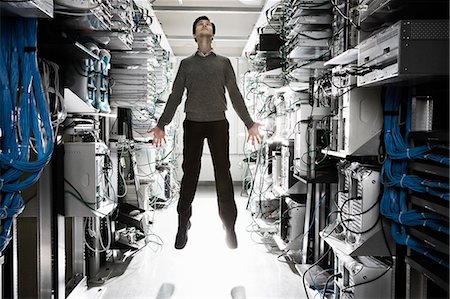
[(122, 176), (98, 236)]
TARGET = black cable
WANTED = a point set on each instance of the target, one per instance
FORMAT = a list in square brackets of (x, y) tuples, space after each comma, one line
[(331, 277), (361, 213), (365, 282), (363, 232), (335, 197), (334, 228), (315, 263), (341, 212), (384, 236), (356, 214)]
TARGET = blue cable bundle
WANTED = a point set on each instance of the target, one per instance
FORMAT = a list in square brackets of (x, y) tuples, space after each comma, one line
[(395, 172), (24, 117), (398, 150), (394, 207), (394, 204), (401, 237), (396, 146)]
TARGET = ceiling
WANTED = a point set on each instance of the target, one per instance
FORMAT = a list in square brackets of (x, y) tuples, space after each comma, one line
[(234, 22)]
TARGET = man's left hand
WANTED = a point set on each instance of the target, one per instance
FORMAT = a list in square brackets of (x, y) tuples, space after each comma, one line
[(253, 133)]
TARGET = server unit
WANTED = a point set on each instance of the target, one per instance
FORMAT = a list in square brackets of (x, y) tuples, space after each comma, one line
[(357, 229), (292, 223), (409, 49), (88, 191), (287, 172), (31, 8), (306, 118), (358, 119), (362, 277)]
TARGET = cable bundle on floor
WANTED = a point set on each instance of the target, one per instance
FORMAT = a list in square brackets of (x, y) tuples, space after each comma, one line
[(396, 182), (25, 119)]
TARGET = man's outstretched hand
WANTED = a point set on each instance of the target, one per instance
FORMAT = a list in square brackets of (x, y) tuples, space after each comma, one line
[(159, 136), (253, 133)]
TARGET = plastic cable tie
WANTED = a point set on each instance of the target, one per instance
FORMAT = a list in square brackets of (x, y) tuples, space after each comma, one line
[(6, 239), (1, 183), (407, 153), (4, 212), (401, 180), (400, 218), (407, 239)]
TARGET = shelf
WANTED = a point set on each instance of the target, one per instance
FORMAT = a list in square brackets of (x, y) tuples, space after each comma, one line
[(90, 21), (75, 105), (308, 63), (334, 153), (67, 51), (430, 203), (344, 155), (280, 243), (437, 274), (346, 57), (310, 34), (425, 137), (117, 40), (373, 245), (299, 188), (265, 227), (379, 11), (27, 9), (439, 241), (279, 191), (320, 178), (429, 168)]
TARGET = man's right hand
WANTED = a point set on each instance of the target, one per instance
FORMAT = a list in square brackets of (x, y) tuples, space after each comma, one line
[(159, 136)]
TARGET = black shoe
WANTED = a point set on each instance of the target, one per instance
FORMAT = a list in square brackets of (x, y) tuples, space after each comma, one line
[(182, 236), (230, 239)]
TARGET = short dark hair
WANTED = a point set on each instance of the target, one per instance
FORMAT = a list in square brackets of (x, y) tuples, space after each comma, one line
[(200, 19)]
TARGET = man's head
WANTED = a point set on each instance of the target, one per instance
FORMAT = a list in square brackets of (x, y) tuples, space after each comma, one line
[(203, 26)]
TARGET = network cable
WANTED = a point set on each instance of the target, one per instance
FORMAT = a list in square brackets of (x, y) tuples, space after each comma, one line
[(397, 183), (25, 118)]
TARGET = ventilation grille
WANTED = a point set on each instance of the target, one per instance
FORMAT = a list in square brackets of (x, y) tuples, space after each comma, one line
[(429, 30)]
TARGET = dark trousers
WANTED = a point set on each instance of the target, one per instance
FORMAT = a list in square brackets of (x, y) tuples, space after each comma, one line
[(217, 135)]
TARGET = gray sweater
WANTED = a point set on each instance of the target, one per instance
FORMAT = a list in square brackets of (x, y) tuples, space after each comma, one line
[(205, 79)]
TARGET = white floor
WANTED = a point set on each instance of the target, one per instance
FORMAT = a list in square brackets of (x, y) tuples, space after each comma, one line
[(205, 268)]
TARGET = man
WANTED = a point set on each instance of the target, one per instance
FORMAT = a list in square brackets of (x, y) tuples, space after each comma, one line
[(205, 76)]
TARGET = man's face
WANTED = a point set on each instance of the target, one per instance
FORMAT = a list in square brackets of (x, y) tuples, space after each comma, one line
[(203, 28)]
